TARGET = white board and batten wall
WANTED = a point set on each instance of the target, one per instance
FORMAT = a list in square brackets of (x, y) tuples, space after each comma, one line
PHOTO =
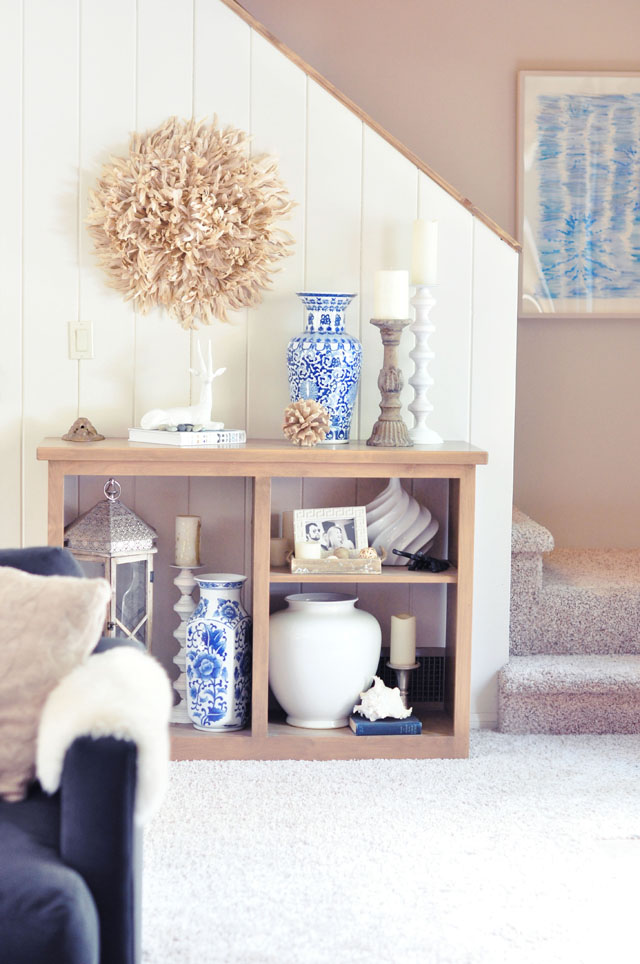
[(84, 76)]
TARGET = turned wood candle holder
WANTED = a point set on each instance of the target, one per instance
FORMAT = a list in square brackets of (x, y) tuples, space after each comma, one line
[(390, 429)]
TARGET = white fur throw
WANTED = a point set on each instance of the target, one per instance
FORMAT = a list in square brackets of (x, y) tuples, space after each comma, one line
[(123, 693)]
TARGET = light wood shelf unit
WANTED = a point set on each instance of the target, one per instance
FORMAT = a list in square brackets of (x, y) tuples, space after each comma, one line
[(445, 732)]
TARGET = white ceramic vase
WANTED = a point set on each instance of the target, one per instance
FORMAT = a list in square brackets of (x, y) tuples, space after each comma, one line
[(323, 652)]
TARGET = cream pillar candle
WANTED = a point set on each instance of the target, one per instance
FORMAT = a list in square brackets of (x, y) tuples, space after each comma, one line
[(308, 550), (403, 640), (424, 253), (187, 540), (391, 294)]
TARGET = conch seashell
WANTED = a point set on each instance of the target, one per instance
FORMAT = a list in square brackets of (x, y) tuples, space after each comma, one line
[(381, 701)]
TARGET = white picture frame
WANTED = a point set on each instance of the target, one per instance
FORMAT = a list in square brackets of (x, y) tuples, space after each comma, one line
[(578, 186), (342, 527)]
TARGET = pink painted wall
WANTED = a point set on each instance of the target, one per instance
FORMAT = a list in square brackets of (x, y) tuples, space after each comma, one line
[(440, 75)]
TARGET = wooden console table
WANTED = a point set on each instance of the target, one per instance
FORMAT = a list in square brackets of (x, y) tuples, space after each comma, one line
[(445, 733)]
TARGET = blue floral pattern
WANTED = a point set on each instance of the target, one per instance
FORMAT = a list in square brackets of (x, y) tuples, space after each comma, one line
[(218, 657), (324, 362)]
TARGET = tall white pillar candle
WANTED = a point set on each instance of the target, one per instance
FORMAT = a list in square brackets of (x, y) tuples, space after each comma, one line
[(424, 253), (403, 640), (391, 294), (187, 540)]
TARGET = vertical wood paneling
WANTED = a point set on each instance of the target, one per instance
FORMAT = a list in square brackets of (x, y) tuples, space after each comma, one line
[(164, 89), (495, 285), (334, 185), (278, 126), (451, 315), (50, 191), (11, 278), (107, 117), (389, 206), (221, 82)]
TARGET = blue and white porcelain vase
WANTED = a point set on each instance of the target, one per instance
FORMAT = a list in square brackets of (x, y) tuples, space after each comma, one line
[(218, 655), (324, 362)]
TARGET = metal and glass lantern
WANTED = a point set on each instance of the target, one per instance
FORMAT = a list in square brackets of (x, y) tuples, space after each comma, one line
[(112, 541)]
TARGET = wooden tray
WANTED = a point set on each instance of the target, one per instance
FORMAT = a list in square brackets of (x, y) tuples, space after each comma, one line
[(336, 566)]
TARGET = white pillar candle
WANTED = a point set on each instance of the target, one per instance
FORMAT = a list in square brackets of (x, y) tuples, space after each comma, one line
[(424, 253), (391, 294), (308, 550), (403, 640), (187, 540)]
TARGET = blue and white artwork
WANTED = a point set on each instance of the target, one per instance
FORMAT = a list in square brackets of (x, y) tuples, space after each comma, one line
[(581, 194)]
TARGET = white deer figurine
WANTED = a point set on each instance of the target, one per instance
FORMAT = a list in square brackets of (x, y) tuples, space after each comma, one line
[(199, 414)]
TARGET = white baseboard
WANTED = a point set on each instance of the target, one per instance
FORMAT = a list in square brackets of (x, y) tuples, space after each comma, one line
[(483, 721)]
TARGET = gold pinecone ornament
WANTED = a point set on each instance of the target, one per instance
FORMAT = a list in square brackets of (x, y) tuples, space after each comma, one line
[(306, 422)]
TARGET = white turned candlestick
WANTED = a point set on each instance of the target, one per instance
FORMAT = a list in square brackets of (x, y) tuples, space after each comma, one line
[(184, 608), (422, 328)]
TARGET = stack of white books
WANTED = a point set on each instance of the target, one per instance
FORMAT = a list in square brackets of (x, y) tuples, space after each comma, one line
[(214, 437)]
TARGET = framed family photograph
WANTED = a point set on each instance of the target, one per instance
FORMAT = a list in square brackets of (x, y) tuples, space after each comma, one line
[(341, 528), (579, 193)]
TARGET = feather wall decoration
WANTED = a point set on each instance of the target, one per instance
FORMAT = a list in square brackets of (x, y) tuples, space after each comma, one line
[(188, 221)]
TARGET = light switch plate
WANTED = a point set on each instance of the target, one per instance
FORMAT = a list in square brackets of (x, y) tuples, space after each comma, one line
[(80, 339)]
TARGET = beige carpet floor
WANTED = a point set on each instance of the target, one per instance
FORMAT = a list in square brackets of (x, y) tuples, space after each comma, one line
[(527, 852)]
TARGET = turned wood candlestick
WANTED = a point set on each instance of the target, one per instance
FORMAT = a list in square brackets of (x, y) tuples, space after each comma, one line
[(390, 429)]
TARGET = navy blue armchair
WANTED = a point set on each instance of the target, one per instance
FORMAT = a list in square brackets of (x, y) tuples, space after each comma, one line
[(70, 863)]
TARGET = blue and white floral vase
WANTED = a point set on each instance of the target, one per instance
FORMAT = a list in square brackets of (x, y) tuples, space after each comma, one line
[(324, 362), (218, 655)]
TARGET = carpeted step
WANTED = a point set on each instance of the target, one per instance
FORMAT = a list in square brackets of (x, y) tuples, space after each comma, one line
[(588, 603), (529, 541), (569, 694)]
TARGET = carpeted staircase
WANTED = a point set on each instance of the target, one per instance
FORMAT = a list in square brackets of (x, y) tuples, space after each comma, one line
[(574, 663)]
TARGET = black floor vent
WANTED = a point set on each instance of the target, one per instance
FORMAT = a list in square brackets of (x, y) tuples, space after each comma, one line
[(426, 684)]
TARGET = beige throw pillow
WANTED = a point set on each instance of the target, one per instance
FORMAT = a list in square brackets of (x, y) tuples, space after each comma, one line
[(48, 625)]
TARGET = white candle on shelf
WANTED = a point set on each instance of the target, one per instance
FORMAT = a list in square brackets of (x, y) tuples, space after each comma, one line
[(424, 253), (391, 294), (308, 550), (187, 540), (403, 640)]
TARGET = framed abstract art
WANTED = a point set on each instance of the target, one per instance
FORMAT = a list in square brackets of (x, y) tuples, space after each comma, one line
[(579, 193)]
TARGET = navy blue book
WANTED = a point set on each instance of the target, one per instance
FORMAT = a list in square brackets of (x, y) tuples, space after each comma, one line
[(361, 726)]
